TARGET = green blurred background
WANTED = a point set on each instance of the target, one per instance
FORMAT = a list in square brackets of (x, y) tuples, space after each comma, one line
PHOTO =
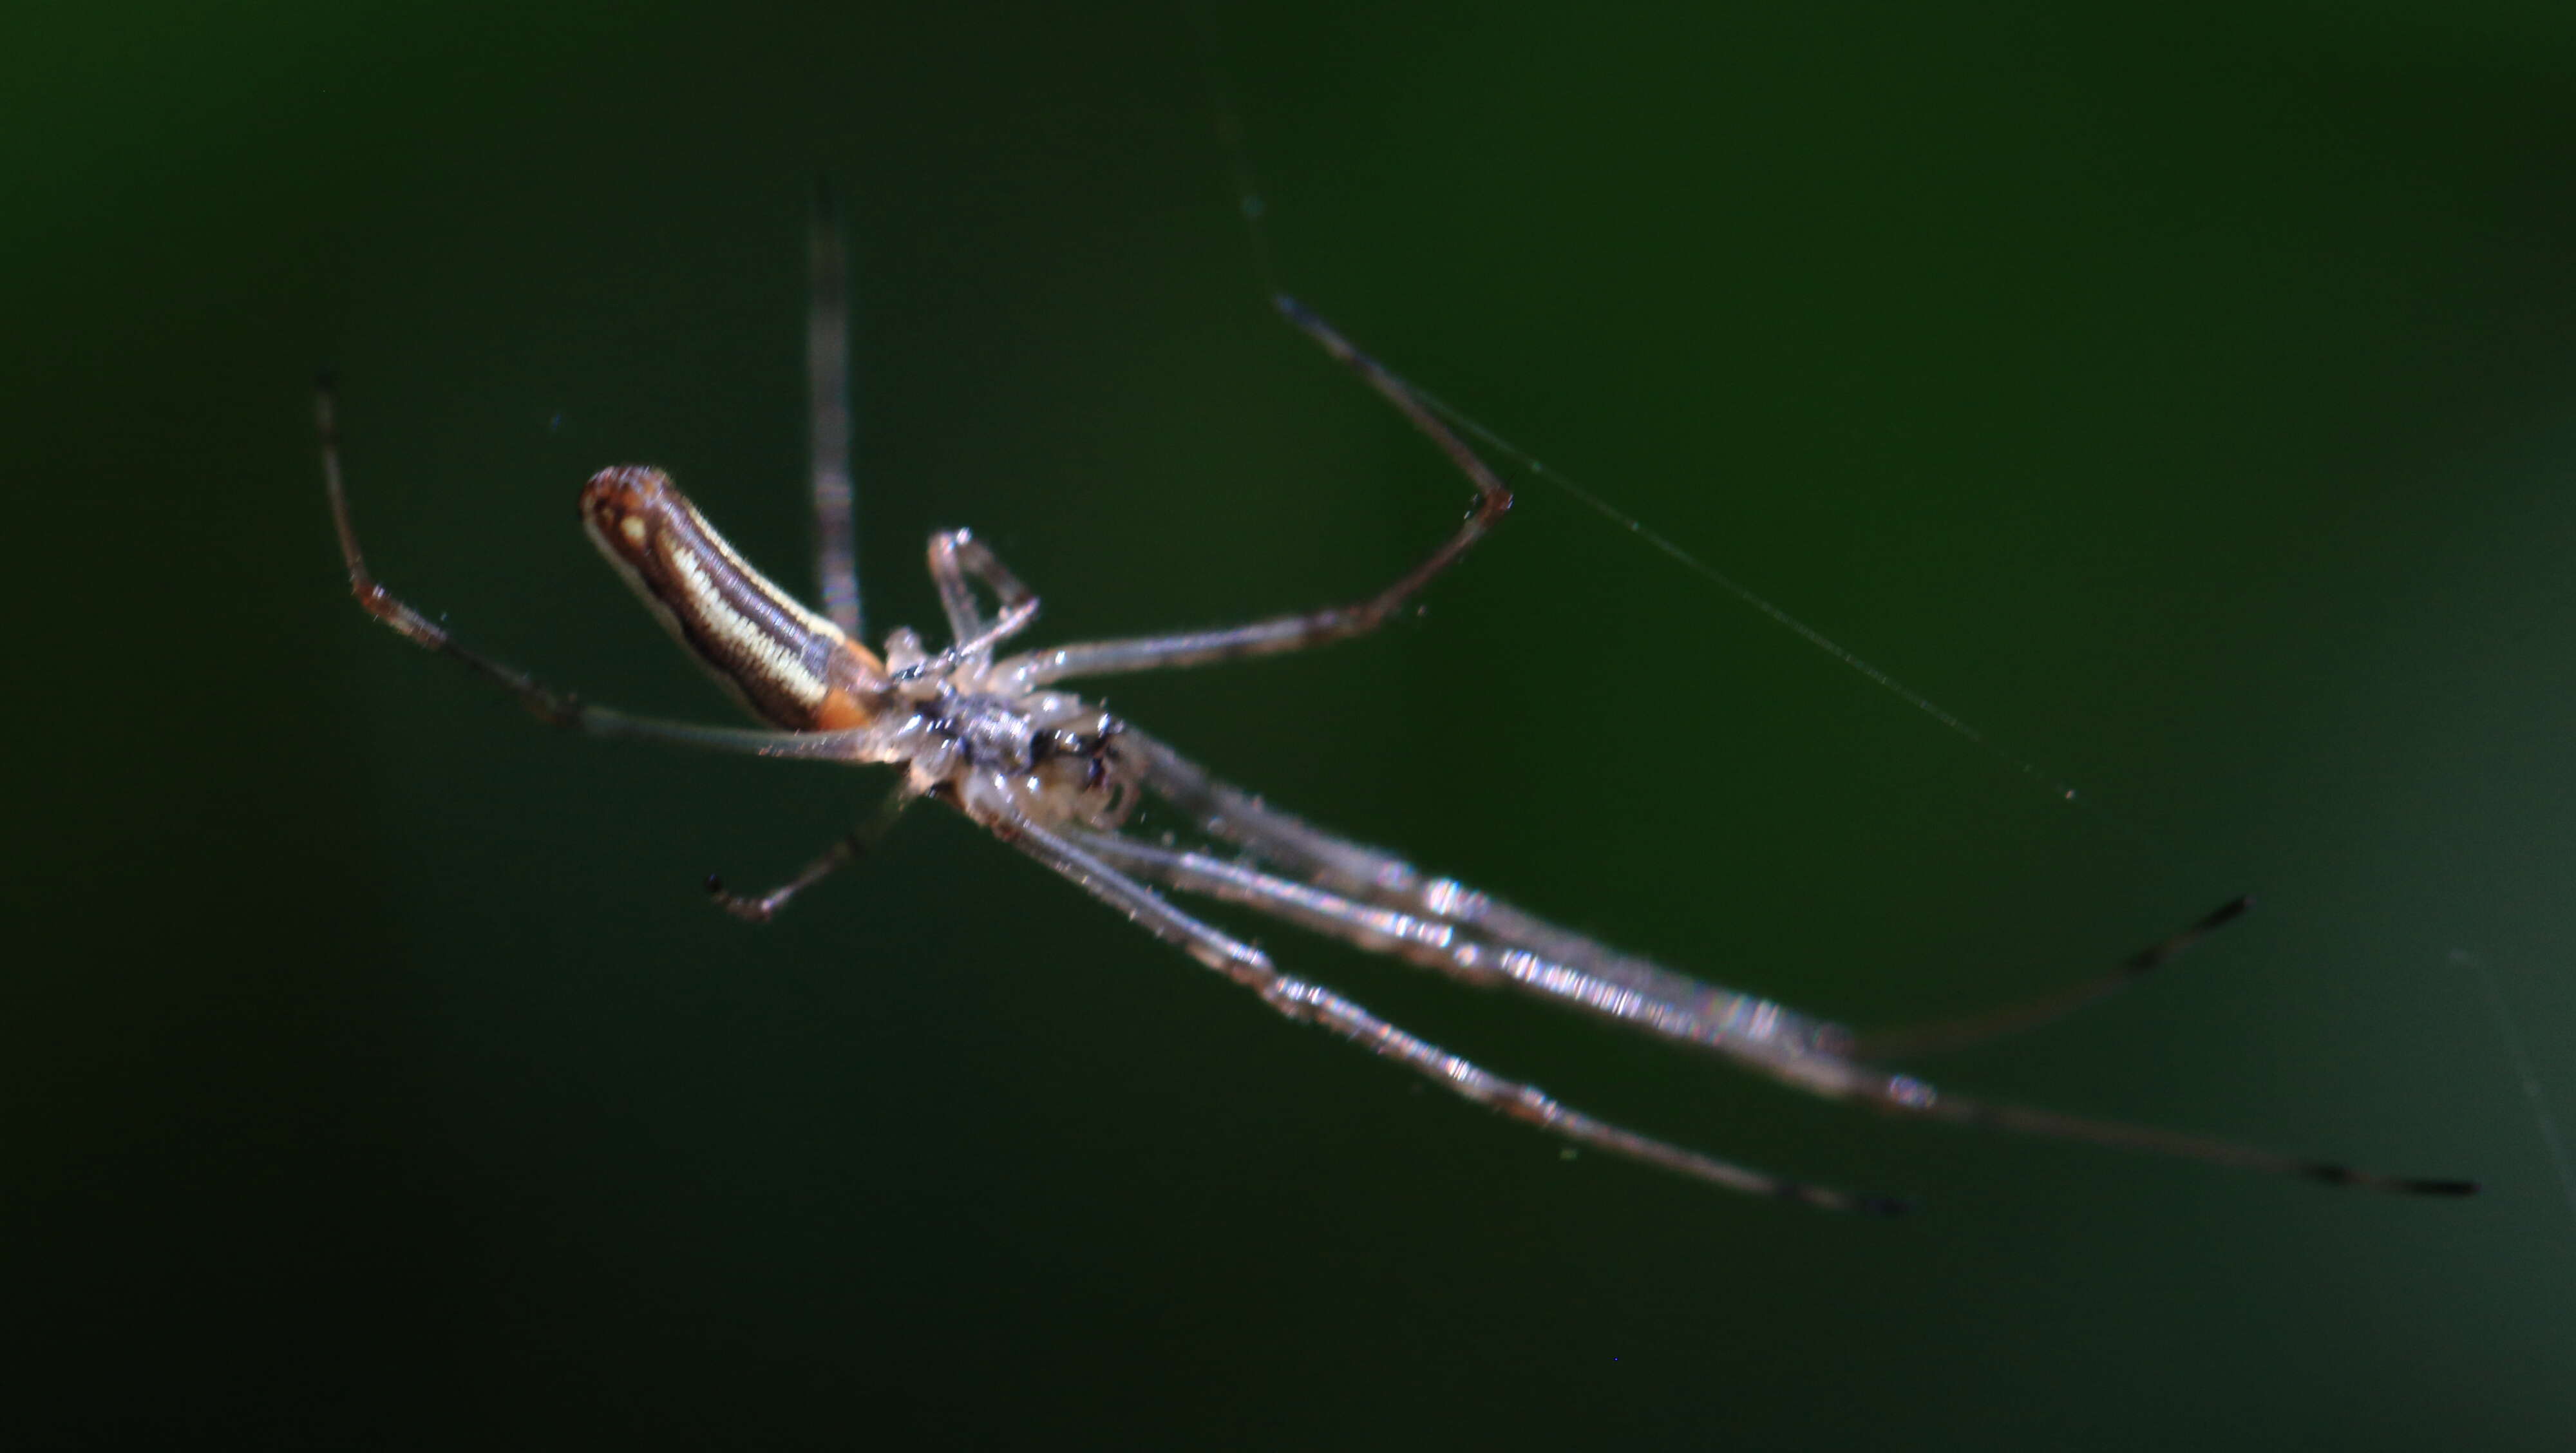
[(2184, 395)]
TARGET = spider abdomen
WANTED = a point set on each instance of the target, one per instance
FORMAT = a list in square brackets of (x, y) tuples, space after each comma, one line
[(785, 664)]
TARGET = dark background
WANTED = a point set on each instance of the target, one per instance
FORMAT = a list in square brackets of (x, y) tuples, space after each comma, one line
[(2183, 395)]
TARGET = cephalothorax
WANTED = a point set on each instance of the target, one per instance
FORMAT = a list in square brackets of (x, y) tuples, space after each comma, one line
[(1057, 777)]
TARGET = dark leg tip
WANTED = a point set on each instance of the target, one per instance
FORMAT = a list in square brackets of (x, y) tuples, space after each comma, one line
[(327, 379), (1888, 1206), (2156, 955), (749, 910), (2344, 1175)]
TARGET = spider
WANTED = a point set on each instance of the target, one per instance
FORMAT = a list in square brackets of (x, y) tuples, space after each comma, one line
[(995, 737)]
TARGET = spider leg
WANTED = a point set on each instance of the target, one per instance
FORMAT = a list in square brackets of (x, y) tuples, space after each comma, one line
[(1797, 1050), (1306, 1003), (553, 707), (1309, 628), (957, 562), (1657, 1001), (1282, 839), (1922, 1100), (857, 843), (1554, 961), (827, 383), (1374, 875), (1942, 1036)]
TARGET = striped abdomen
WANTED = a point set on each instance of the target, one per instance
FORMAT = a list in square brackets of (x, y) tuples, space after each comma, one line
[(791, 667)]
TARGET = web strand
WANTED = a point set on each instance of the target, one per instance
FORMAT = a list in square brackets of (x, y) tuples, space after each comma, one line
[(2524, 1075), (1664, 545)]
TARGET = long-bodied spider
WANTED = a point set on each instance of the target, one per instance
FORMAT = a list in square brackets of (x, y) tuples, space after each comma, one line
[(1057, 777)]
